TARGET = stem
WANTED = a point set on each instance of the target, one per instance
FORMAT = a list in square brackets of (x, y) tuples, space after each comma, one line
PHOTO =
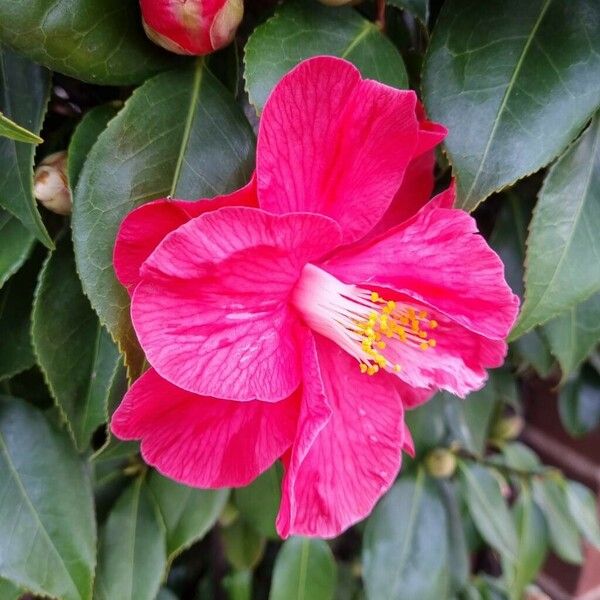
[(380, 19)]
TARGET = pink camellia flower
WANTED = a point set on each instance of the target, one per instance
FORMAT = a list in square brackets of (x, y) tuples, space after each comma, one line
[(298, 317), (191, 26)]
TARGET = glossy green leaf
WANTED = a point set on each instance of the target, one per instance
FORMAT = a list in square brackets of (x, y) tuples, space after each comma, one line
[(304, 568), (84, 137), (15, 132), (24, 89), (132, 549), (17, 243), (584, 511), (427, 424), (238, 585), (514, 82), (100, 42), (258, 502), (188, 513), (488, 508), (563, 250), (518, 456), (47, 529), (179, 134), (579, 403), (574, 334), (304, 28), (564, 536), (166, 594), (75, 352), (459, 560), (508, 240), (8, 591), (532, 545), (16, 299), (244, 548), (399, 560)]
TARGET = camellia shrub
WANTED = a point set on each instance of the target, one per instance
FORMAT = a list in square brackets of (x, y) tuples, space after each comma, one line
[(278, 283)]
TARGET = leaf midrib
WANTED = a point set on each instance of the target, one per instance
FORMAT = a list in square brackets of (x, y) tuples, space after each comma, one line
[(505, 98), (575, 222), (23, 490)]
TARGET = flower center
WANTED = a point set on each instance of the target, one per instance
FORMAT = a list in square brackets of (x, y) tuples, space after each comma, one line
[(359, 320)]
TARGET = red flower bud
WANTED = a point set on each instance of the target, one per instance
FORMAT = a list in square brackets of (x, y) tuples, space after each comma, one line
[(191, 26)]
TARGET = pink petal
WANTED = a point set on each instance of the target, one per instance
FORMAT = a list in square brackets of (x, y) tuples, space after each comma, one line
[(334, 479), (437, 257), (202, 441), (146, 226), (211, 311), (417, 185), (332, 143)]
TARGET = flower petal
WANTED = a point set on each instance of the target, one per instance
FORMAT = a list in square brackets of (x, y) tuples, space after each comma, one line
[(332, 143), (335, 478), (211, 311), (202, 441), (146, 226), (438, 258)]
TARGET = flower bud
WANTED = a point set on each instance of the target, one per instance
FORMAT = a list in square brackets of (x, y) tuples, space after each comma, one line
[(51, 184), (508, 428), (440, 463), (191, 26)]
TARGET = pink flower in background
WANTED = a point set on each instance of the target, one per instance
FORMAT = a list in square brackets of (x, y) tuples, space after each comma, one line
[(191, 26), (298, 317)]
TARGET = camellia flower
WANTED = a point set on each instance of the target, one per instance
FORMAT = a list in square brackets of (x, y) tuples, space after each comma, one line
[(298, 317), (191, 26)]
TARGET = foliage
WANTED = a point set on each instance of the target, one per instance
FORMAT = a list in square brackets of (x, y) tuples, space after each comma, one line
[(476, 512)]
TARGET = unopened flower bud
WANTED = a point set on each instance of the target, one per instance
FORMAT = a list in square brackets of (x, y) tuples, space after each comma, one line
[(508, 428), (440, 463), (191, 26), (51, 184)]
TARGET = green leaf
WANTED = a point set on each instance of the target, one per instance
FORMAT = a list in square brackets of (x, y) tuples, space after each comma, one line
[(419, 8), (74, 351), (24, 90), (16, 298), (179, 134), (514, 82), (238, 585), (579, 403), (304, 28), (17, 243), (132, 549), (304, 569), (15, 132), (574, 334), (583, 509), (564, 537), (532, 546), (84, 137), (508, 240), (400, 560), (244, 548), (521, 457), (47, 535), (488, 508), (8, 591), (99, 42), (458, 555), (188, 513), (427, 424), (563, 251), (258, 503)]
